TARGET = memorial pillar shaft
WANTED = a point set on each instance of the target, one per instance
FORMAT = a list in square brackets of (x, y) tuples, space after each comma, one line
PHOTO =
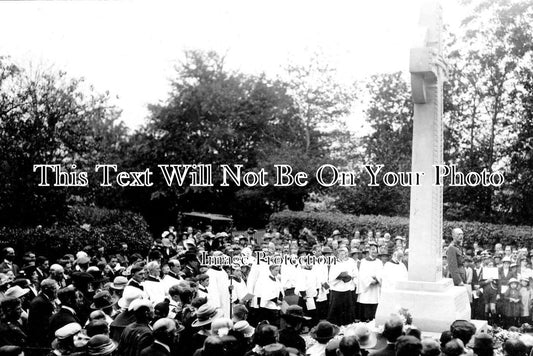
[(425, 223)]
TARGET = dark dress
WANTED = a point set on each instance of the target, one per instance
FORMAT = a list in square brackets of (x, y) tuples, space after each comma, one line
[(512, 309)]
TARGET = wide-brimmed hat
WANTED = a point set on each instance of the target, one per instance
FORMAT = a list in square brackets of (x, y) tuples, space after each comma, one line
[(294, 313), (97, 274), (16, 291), (367, 339), (100, 345), (102, 300), (324, 332), (205, 315), (482, 341), (119, 283), (129, 295), (335, 233), (251, 231), (82, 278)]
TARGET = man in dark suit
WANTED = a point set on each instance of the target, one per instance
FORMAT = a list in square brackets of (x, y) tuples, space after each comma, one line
[(41, 309), (478, 283), (7, 264), (455, 258), (393, 329), (66, 314), (165, 333), (138, 335)]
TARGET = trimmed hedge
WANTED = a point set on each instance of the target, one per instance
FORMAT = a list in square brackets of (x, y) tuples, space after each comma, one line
[(82, 226), (323, 224)]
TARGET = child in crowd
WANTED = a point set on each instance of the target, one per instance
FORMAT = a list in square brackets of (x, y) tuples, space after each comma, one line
[(525, 296), (512, 304), (490, 296)]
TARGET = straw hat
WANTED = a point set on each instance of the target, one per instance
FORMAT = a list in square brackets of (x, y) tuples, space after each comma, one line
[(205, 315)]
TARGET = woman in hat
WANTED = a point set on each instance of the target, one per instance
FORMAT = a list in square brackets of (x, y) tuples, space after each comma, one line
[(290, 334), (322, 333), (101, 345), (204, 317), (512, 303), (526, 295)]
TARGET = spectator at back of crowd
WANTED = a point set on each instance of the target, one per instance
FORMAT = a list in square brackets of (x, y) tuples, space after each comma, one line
[(514, 347), (408, 346)]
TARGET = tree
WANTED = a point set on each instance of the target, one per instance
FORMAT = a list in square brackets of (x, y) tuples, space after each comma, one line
[(217, 116), (485, 73), (45, 118), (321, 101), (389, 113)]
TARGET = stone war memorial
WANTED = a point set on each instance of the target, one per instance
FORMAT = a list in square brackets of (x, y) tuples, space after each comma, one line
[(433, 301)]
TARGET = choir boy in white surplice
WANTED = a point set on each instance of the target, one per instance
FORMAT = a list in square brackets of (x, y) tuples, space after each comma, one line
[(307, 287), (270, 291), (343, 277), (218, 289), (369, 284), (240, 290), (321, 271), (393, 271)]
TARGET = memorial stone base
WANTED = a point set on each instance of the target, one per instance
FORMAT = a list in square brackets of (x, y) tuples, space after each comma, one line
[(433, 305)]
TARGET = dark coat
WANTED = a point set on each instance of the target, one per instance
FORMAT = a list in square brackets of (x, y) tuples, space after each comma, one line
[(134, 339), (12, 334), (120, 323), (155, 350), (291, 338), (455, 264), (41, 309), (60, 319)]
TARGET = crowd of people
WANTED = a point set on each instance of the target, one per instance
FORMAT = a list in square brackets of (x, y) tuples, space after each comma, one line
[(197, 293)]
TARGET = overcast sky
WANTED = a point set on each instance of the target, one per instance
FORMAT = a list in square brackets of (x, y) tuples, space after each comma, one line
[(130, 47)]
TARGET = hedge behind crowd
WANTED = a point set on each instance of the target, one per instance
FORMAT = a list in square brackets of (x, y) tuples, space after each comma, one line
[(82, 226), (323, 224)]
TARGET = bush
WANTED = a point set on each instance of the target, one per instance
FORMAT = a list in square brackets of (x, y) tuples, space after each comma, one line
[(82, 226), (323, 225)]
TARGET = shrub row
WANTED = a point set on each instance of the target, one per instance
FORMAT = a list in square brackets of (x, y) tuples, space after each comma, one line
[(82, 226), (323, 224)]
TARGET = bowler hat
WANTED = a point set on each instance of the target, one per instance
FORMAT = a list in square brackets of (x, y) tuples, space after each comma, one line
[(324, 332)]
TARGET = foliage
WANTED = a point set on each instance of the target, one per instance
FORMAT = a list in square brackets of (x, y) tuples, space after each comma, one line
[(82, 226), (323, 224), (487, 60), (47, 118), (389, 114), (217, 116)]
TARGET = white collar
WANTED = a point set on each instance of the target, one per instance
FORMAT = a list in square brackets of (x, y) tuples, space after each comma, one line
[(164, 345), (69, 309)]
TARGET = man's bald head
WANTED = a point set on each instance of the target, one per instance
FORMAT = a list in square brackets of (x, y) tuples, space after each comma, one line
[(457, 236)]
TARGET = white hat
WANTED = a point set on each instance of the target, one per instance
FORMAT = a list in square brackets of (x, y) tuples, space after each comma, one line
[(16, 291), (67, 331), (129, 295), (137, 303)]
